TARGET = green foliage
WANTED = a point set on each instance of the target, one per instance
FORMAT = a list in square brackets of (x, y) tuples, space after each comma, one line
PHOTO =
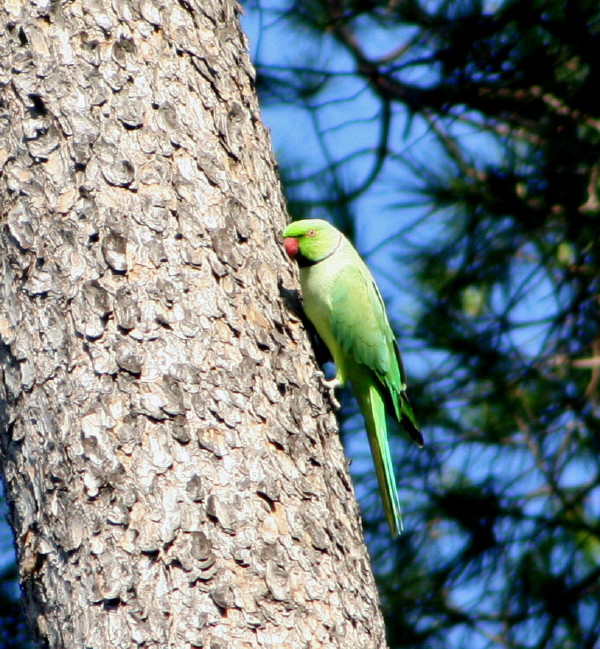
[(474, 127)]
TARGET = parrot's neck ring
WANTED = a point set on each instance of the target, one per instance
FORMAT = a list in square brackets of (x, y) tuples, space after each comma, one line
[(303, 262)]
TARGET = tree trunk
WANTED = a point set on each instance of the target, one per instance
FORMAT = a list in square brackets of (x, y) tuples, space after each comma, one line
[(174, 476)]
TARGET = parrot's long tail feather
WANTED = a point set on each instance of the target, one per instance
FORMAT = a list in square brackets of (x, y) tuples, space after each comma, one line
[(373, 408)]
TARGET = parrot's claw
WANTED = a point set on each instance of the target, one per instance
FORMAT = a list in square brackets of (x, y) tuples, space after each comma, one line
[(334, 402), (330, 386)]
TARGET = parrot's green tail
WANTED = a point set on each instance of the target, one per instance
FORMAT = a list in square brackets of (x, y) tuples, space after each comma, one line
[(373, 408)]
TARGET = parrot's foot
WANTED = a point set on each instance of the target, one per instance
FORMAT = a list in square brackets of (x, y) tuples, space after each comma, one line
[(330, 386)]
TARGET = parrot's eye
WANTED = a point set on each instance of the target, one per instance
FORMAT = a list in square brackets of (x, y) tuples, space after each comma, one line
[(311, 233)]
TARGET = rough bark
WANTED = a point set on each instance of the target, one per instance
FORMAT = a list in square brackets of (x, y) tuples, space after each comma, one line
[(174, 477)]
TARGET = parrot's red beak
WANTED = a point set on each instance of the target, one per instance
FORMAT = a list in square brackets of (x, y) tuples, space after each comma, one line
[(291, 246)]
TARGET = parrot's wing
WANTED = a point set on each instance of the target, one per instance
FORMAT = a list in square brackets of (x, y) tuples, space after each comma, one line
[(359, 323), (360, 327)]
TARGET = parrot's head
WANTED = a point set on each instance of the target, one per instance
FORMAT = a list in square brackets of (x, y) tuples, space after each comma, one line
[(310, 240)]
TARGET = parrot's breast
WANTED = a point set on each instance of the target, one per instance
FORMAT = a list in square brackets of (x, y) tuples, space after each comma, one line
[(317, 288)]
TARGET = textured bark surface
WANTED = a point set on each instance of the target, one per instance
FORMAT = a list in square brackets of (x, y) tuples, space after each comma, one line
[(174, 477)]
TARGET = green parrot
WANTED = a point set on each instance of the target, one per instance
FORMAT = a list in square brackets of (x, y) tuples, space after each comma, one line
[(343, 302)]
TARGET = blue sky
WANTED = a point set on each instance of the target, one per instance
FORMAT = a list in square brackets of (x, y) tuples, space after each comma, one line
[(349, 127)]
